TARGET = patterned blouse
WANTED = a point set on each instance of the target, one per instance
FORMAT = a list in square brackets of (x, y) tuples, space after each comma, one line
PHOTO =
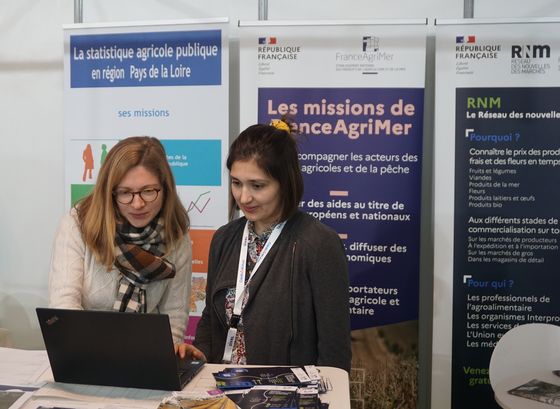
[(256, 243)]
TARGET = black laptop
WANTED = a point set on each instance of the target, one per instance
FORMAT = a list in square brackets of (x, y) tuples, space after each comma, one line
[(114, 349)]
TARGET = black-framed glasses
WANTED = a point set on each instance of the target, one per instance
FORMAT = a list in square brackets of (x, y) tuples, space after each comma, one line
[(126, 196)]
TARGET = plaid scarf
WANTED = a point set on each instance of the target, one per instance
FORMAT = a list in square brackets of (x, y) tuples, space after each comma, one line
[(139, 258)]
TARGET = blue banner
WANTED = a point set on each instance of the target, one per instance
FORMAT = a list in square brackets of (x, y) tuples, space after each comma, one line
[(195, 162), (146, 59), (506, 231), (360, 153)]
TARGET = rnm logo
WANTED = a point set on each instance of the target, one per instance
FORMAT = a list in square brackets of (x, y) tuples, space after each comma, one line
[(530, 51)]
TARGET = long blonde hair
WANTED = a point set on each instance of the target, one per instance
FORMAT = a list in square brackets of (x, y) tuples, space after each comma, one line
[(97, 212)]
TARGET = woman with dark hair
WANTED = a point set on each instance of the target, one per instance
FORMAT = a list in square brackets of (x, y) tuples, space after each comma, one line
[(277, 289), (125, 246)]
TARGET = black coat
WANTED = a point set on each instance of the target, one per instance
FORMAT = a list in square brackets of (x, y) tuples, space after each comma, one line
[(297, 312)]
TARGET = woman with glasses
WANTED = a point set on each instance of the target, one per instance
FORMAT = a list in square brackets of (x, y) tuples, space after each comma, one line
[(125, 246)]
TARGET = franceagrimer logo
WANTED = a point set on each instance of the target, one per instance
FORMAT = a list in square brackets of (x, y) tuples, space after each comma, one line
[(370, 52), (370, 44)]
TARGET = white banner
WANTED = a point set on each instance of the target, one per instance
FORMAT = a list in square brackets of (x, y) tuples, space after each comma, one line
[(356, 93), (497, 155), (169, 81)]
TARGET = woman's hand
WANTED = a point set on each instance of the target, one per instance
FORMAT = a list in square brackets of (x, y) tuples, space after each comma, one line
[(189, 351)]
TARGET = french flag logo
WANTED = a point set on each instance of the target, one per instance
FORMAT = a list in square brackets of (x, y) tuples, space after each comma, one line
[(267, 40), (465, 39)]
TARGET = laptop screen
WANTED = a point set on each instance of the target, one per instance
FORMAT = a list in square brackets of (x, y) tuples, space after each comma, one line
[(111, 348)]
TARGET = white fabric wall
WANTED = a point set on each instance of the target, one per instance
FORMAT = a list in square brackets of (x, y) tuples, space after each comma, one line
[(31, 157), (31, 172)]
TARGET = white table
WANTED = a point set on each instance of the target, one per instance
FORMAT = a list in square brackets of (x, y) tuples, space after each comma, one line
[(95, 397), (508, 401), (338, 397)]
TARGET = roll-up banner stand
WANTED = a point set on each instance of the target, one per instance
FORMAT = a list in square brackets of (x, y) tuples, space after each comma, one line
[(355, 91), (163, 79), (497, 172)]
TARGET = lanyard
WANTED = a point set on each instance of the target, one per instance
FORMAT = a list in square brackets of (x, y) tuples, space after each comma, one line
[(241, 286)]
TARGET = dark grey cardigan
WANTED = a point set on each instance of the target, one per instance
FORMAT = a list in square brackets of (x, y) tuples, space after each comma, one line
[(298, 310)]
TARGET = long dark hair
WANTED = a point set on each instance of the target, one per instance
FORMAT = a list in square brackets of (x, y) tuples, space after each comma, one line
[(275, 152)]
